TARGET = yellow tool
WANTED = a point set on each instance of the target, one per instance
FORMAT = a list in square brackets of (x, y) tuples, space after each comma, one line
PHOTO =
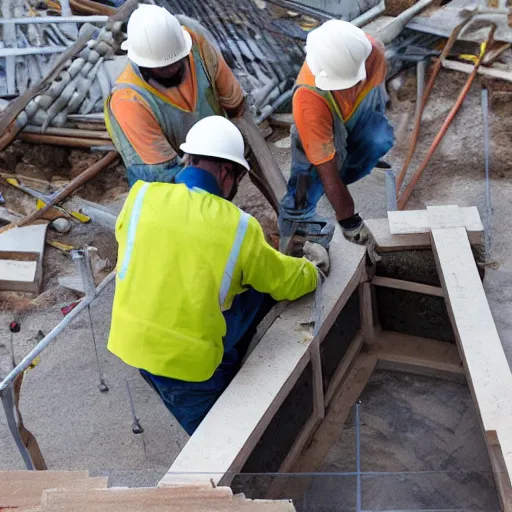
[(43, 199), (40, 204), (60, 246)]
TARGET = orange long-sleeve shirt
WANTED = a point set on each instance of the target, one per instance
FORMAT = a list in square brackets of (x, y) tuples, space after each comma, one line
[(140, 125), (312, 115)]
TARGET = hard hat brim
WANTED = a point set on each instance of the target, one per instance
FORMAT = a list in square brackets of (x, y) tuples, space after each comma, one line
[(187, 148), (150, 63), (340, 84)]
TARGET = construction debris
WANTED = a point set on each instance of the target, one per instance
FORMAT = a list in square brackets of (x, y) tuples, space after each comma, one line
[(21, 258), (266, 52), (76, 491)]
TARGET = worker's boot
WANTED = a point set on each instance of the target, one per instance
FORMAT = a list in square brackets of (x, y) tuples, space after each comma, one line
[(314, 228)]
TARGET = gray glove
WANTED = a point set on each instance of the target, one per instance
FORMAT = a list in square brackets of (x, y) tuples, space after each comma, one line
[(355, 231), (318, 255)]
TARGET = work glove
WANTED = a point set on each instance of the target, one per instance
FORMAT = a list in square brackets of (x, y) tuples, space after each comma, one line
[(355, 230), (318, 255)]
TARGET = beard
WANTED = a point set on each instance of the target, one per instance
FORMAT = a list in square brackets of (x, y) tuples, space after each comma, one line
[(173, 81)]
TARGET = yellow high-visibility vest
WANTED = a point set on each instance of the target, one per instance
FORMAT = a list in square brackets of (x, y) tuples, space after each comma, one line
[(183, 256)]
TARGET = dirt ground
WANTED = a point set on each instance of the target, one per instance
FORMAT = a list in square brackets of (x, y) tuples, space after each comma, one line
[(421, 448), (79, 427)]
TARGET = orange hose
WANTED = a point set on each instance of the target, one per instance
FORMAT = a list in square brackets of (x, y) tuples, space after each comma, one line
[(426, 95), (402, 200)]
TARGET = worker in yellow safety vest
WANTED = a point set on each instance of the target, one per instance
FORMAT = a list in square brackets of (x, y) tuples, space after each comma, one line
[(195, 275), (175, 76)]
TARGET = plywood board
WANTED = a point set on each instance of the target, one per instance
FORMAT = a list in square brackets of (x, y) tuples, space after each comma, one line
[(417, 221), (229, 433), (24, 488), (386, 242), (191, 499)]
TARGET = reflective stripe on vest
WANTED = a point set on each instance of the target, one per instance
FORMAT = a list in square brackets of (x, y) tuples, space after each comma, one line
[(233, 257), (132, 230)]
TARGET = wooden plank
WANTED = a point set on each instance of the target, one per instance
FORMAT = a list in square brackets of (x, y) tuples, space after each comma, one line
[(448, 216), (230, 431), (501, 456), (24, 248), (487, 369), (318, 383), (468, 68), (298, 446), (417, 221), (399, 284), (386, 242), (169, 499), (366, 308), (394, 347), (328, 432), (19, 256), (24, 488), (479, 343), (267, 169), (337, 414), (97, 482), (26, 437), (345, 366)]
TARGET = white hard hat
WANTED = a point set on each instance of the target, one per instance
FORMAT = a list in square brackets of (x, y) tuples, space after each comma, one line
[(155, 37), (336, 53), (216, 136)]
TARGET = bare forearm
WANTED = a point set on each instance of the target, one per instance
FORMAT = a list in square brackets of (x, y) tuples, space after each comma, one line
[(336, 191)]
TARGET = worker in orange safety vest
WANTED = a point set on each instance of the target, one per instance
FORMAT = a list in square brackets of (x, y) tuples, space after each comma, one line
[(340, 130), (175, 77)]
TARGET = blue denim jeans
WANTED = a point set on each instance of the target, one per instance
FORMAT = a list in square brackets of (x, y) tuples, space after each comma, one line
[(189, 402), (369, 136)]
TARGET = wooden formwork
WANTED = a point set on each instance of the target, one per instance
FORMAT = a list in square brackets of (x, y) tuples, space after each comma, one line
[(258, 425)]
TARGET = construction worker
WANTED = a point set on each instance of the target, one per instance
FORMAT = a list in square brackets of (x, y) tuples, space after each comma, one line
[(340, 130), (196, 276), (175, 77)]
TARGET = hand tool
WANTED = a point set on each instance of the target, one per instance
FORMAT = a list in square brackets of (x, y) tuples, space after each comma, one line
[(44, 199)]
